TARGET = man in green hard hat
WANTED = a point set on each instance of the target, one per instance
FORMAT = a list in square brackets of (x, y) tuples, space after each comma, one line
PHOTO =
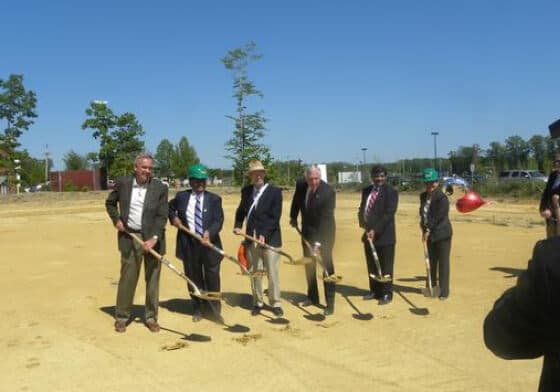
[(200, 212)]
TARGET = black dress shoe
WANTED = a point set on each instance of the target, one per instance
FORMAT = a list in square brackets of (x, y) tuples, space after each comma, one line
[(369, 296), (277, 311), (328, 311), (197, 316), (256, 310), (385, 299)]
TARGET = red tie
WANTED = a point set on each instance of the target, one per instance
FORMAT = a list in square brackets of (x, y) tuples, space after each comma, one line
[(371, 202)]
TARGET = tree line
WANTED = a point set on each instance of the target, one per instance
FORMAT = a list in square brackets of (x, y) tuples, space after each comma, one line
[(120, 138)]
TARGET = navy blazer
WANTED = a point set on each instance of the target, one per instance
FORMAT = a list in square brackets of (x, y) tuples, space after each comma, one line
[(381, 218), (317, 218), (153, 214), (438, 216), (212, 221), (265, 218)]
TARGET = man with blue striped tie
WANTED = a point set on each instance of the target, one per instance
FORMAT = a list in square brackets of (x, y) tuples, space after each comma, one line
[(201, 211)]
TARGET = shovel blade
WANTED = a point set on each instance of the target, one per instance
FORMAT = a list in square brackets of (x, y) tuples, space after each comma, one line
[(208, 295), (381, 279), (332, 278), (302, 261)]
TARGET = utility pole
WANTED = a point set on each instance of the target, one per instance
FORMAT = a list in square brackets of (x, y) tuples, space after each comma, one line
[(435, 134), (364, 149), (47, 155)]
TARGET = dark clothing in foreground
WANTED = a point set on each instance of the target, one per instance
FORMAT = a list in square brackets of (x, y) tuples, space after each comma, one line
[(525, 320)]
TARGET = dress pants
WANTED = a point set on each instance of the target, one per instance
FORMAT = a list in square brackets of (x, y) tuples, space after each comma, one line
[(203, 268), (386, 256), (131, 263), (260, 258), (551, 228), (439, 264), (311, 275)]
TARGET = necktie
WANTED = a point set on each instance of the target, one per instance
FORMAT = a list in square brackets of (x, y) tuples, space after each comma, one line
[(371, 201), (198, 216), (310, 197)]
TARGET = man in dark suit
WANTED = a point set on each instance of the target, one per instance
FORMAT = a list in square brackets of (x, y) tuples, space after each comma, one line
[(549, 206), (201, 211), (138, 204), (376, 216), (261, 206), (525, 320), (316, 201)]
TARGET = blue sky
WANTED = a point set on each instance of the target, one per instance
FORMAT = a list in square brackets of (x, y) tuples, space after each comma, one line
[(336, 76)]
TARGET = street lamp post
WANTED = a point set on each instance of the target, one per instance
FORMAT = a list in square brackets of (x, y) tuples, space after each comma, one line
[(435, 134), (364, 149)]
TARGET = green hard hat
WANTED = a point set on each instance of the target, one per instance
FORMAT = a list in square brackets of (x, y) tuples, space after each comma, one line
[(429, 175), (198, 172)]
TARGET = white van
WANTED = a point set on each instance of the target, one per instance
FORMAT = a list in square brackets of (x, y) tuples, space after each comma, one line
[(523, 175)]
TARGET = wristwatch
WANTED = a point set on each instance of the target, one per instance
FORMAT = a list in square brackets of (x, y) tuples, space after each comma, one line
[(155, 237)]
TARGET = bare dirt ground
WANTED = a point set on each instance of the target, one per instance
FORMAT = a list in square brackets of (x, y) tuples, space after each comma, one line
[(60, 266)]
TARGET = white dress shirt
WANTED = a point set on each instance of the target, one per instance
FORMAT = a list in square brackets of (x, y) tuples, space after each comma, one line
[(190, 208), (136, 205)]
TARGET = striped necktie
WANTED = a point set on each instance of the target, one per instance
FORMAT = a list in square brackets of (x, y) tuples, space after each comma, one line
[(198, 216), (372, 198)]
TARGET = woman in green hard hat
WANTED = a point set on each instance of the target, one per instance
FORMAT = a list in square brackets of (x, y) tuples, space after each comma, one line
[(436, 230)]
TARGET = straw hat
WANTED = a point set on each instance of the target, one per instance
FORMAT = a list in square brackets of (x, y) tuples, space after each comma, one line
[(255, 165)]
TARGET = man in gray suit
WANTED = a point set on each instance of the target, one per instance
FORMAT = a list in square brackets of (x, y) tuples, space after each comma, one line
[(138, 205)]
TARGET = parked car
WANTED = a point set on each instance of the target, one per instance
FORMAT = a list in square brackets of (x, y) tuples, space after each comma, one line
[(455, 181), (523, 175), (398, 181)]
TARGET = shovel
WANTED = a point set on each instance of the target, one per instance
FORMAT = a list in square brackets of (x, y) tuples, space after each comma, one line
[(380, 277), (317, 257), (244, 270), (207, 295), (302, 261), (431, 290)]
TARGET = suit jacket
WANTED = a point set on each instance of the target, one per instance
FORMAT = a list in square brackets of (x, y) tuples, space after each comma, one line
[(546, 197), (381, 218), (525, 320), (154, 213), (317, 217), (212, 220), (265, 218), (438, 216)]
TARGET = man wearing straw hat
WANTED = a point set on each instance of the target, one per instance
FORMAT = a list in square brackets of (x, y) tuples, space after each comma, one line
[(201, 212), (261, 206), (138, 205), (316, 201)]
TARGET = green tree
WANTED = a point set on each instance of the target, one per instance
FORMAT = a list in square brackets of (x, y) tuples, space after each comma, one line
[(183, 157), (537, 146), (17, 108), (74, 161), (496, 156), (517, 152), (163, 157), (245, 143), (118, 137)]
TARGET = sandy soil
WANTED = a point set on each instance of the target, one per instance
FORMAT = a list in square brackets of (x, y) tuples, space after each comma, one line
[(60, 266)]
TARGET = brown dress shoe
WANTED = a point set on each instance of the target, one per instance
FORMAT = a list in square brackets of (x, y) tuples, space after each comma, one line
[(152, 325), (120, 326)]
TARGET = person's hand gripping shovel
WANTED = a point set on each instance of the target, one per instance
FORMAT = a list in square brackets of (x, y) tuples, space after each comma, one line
[(244, 271), (316, 255), (379, 277), (207, 295), (291, 260)]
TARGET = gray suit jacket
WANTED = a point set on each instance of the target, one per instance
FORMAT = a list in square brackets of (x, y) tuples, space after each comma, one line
[(154, 214)]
